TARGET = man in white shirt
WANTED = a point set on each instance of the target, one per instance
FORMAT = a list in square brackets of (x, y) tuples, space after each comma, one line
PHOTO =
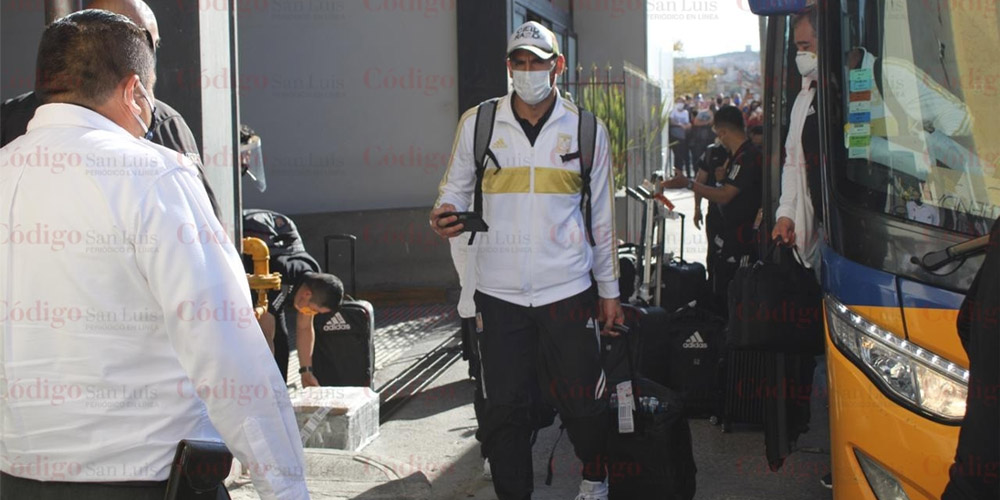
[(126, 320), (800, 204)]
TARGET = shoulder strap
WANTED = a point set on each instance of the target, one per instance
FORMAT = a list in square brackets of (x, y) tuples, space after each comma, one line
[(587, 139), (485, 119)]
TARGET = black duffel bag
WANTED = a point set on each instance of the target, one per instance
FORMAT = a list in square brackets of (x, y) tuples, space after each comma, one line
[(775, 304)]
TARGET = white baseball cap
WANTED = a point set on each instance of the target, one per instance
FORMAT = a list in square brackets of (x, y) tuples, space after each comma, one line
[(535, 38)]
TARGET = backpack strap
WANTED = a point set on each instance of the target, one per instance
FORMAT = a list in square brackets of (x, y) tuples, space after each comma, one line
[(587, 139), (485, 119)]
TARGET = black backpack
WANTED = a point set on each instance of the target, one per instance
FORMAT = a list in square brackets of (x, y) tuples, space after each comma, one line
[(587, 144), (276, 230)]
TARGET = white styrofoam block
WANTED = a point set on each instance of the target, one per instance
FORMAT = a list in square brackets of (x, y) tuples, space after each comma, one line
[(343, 418)]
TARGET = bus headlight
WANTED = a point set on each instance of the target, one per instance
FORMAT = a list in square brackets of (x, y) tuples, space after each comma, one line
[(921, 380)]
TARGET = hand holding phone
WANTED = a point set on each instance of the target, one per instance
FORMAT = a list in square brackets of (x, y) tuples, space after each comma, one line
[(470, 221), (620, 329)]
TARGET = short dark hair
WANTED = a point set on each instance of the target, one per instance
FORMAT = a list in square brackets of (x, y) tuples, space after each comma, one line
[(809, 14), (327, 290), (730, 117), (83, 56)]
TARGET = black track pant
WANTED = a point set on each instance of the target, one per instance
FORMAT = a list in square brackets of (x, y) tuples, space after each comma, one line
[(547, 350)]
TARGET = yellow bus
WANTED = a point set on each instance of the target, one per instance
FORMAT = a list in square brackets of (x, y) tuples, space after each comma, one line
[(909, 129)]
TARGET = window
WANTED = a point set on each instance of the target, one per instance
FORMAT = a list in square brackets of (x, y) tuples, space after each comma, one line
[(531, 16), (920, 112), (520, 16)]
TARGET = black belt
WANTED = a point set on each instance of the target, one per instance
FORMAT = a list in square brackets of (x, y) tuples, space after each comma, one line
[(16, 488)]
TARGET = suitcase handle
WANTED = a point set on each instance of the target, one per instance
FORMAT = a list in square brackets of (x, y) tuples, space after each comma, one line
[(626, 336), (353, 240), (681, 215)]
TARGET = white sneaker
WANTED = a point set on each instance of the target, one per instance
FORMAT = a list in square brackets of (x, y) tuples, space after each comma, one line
[(593, 490), (487, 473)]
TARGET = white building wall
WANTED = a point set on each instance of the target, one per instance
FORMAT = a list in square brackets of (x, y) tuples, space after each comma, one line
[(621, 28), (355, 101)]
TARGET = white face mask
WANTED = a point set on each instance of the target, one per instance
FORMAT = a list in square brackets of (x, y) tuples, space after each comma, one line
[(532, 86), (807, 63), (147, 132)]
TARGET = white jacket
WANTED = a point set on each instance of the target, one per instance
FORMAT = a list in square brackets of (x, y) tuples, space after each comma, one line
[(536, 251), (796, 200)]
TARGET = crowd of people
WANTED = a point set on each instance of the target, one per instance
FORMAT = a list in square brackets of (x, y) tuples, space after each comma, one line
[(690, 125)]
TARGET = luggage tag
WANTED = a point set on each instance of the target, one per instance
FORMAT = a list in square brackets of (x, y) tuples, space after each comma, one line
[(626, 424)]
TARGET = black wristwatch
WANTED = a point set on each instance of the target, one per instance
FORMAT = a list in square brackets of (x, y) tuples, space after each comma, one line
[(305, 369)]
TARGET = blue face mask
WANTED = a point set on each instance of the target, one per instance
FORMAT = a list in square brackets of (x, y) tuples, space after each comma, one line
[(152, 112)]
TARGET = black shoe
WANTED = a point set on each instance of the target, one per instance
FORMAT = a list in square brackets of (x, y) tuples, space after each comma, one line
[(827, 481)]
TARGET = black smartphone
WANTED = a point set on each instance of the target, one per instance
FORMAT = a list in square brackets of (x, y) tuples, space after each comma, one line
[(619, 328), (471, 221)]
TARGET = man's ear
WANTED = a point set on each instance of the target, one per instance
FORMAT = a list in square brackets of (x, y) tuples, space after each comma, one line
[(560, 65), (131, 94)]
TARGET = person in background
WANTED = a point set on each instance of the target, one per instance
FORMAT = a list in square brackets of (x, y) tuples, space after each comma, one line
[(739, 197), (305, 291), (755, 117), (800, 211), (701, 132), (711, 171), (757, 136), (168, 129), (679, 125), (977, 457)]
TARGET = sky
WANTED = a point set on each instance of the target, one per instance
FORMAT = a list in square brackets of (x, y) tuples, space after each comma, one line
[(705, 27)]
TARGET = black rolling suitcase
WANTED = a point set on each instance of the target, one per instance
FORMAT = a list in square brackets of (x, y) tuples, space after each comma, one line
[(683, 282), (694, 340), (654, 460), (746, 387), (647, 325), (682, 351), (344, 354), (628, 271)]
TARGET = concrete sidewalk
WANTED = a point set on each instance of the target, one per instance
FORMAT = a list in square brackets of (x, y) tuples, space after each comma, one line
[(428, 449)]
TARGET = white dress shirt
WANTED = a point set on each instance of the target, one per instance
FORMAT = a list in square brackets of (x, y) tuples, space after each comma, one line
[(125, 315)]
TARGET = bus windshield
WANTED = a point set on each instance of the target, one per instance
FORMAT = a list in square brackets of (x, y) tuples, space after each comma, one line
[(921, 111)]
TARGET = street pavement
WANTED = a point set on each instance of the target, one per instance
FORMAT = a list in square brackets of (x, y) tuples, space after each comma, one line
[(427, 450)]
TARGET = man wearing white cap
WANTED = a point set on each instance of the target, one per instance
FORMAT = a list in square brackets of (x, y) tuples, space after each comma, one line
[(550, 237)]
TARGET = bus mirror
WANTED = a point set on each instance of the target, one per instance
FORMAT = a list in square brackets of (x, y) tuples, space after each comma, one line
[(777, 7)]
